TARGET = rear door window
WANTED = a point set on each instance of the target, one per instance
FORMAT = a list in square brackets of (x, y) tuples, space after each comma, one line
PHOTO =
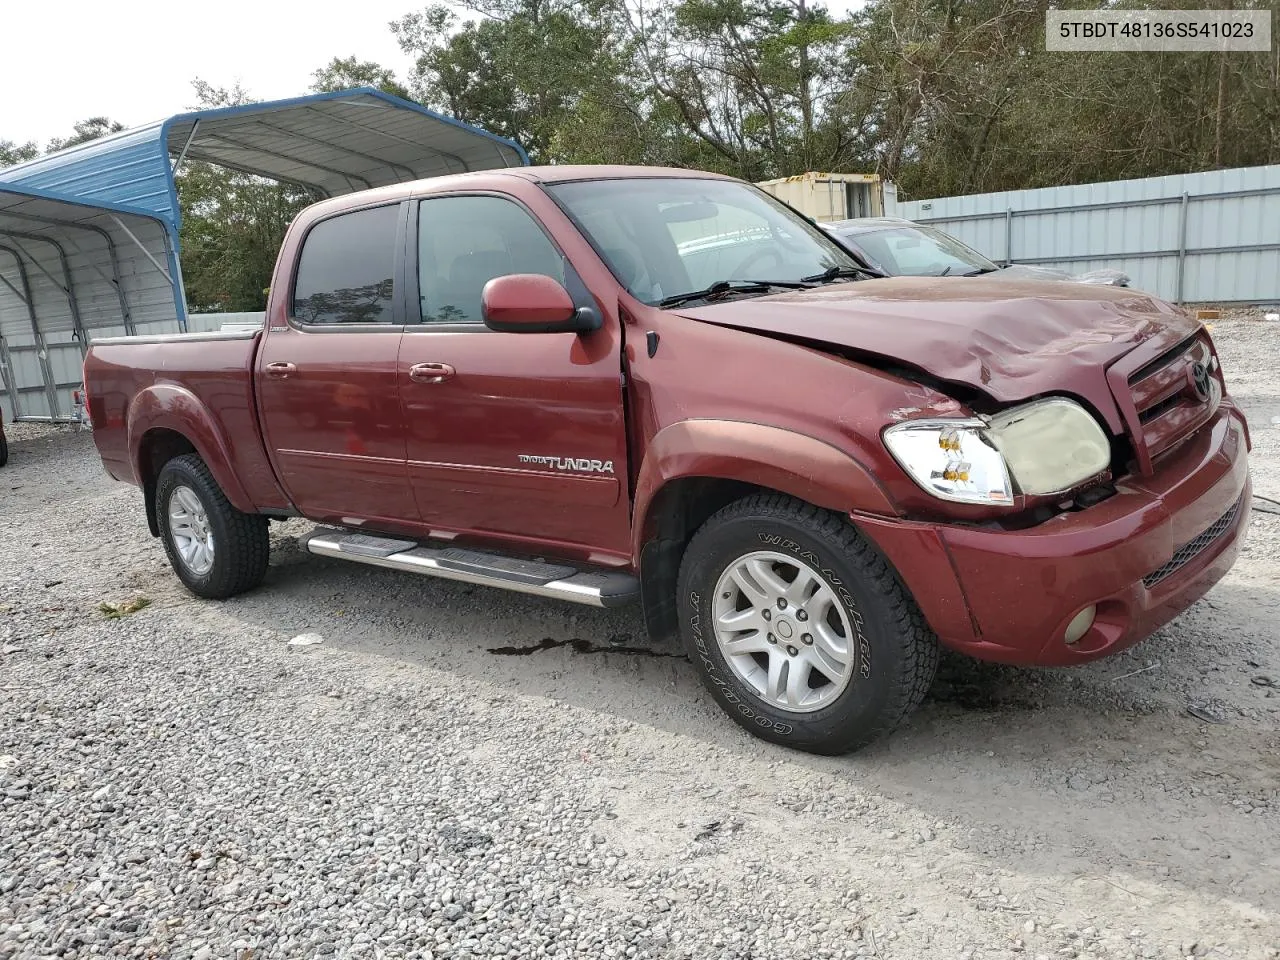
[(346, 270)]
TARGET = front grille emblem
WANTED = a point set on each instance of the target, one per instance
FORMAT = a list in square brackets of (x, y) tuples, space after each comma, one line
[(1200, 380)]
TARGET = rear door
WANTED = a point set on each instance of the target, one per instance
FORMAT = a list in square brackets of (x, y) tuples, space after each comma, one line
[(515, 437), (327, 388)]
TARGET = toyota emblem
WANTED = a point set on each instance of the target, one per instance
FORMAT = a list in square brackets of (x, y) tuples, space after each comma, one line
[(1200, 380)]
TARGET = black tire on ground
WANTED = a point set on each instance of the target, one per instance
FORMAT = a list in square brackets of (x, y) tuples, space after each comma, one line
[(895, 654), (4, 448), (241, 544)]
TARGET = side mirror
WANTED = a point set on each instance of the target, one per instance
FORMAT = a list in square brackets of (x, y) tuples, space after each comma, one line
[(531, 303)]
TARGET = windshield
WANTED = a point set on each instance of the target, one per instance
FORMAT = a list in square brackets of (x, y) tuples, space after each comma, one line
[(664, 237), (914, 250)]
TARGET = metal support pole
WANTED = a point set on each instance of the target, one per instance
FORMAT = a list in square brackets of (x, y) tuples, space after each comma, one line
[(1008, 236), (125, 313), (67, 286), (182, 287), (42, 350), (145, 252), (177, 164), (111, 250), (1182, 244), (14, 290), (10, 386), (8, 380)]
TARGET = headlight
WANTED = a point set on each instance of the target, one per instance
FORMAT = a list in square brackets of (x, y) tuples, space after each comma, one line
[(952, 459), (1045, 447), (1050, 446)]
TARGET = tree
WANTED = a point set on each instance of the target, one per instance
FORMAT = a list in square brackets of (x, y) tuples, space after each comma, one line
[(343, 74), (11, 153), (752, 80), (942, 96), (519, 68), (85, 130), (232, 223)]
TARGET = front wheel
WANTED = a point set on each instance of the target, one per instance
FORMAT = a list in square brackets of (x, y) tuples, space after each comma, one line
[(801, 631), (215, 550)]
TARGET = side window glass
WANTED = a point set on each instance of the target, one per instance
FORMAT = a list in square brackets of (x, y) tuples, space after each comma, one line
[(346, 269), (464, 242)]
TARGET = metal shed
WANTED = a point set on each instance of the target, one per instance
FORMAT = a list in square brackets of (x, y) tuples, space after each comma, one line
[(70, 271), (89, 235)]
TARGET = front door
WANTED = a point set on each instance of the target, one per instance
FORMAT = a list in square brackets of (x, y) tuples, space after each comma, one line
[(327, 381), (517, 438)]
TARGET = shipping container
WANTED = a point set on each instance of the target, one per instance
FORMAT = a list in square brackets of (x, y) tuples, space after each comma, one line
[(830, 196)]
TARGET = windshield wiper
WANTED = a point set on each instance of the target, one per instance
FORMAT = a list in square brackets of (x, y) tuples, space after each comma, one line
[(978, 272), (841, 273), (731, 286)]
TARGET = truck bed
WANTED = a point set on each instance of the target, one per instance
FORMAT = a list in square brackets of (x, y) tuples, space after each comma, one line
[(196, 384)]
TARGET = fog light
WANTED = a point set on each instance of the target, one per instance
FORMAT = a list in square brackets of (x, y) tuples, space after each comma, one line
[(1080, 624)]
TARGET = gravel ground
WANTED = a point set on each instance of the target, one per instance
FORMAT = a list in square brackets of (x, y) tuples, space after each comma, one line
[(182, 782)]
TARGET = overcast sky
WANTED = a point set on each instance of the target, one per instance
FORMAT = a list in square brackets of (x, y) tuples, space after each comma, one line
[(133, 60)]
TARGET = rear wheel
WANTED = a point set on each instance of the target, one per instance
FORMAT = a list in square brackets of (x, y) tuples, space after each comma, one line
[(215, 550), (4, 448), (801, 631)]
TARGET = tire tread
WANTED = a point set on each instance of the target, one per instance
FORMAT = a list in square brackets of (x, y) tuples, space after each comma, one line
[(920, 648), (246, 542)]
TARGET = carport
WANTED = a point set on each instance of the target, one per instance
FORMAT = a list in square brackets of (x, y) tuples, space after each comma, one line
[(70, 271), (89, 235)]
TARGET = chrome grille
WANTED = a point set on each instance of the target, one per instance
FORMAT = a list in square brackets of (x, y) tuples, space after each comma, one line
[(1168, 406), (1193, 548)]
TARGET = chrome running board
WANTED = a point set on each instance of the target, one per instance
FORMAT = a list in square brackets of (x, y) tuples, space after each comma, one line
[(596, 589)]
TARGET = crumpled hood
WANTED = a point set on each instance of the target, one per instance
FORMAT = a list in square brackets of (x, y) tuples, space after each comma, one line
[(1013, 341)]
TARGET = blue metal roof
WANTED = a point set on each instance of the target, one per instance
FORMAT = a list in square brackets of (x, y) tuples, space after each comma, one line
[(333, 142)]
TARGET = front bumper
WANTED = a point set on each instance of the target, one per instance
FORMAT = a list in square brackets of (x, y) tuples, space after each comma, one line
[(1141, 557)]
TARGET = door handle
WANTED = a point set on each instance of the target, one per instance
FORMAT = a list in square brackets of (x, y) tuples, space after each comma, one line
[(281, 369), (431, 372)]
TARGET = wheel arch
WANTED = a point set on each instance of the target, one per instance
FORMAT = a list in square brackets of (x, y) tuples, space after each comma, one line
[(157, 447), (167, 421), (693, 468)]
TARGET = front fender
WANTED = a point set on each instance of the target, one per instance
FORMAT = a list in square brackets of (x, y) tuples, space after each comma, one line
[(169, 406), (771, 457)]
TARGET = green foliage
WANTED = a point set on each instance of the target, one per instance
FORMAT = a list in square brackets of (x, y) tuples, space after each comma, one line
[(11, 153), (343, 74), (941, 96), (520, 68), (232, 224), (84, 131)]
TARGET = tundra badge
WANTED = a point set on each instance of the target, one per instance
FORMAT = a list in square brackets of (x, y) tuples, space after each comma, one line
[(569, 463)]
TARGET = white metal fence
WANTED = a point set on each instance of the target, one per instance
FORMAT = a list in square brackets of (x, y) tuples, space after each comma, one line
[(1209, 237)]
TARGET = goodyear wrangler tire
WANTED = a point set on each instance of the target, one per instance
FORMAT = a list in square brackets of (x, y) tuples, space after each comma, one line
[(801, 631)]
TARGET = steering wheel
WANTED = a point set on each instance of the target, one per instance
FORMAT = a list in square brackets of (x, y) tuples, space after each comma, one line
[(747, 266)]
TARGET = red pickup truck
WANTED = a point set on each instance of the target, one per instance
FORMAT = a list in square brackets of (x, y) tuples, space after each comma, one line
[(611, 384)]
